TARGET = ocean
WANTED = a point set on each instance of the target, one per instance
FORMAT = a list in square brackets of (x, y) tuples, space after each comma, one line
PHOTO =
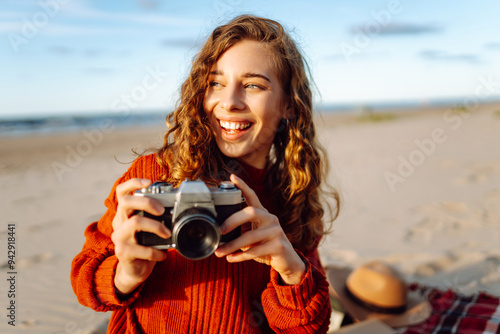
[(16, 126), (69, 123)]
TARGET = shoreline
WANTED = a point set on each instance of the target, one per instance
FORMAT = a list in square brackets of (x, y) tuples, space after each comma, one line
[(62, 125)]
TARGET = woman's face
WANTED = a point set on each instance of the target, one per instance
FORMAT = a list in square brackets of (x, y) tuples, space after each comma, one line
[(245, 102)]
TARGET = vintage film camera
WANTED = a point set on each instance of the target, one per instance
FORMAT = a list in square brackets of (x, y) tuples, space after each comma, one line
[(193, 213)]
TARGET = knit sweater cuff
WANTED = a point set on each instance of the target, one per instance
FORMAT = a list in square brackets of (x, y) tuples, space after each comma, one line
[(106, 292), (294, 297)]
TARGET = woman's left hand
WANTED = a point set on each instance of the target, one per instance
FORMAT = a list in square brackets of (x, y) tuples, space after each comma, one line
[(266, 242)]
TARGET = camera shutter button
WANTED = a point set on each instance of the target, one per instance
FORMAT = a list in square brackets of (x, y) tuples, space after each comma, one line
[(226, 185)]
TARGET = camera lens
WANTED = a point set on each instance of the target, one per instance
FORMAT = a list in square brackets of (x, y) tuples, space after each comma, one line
[(196, 235)]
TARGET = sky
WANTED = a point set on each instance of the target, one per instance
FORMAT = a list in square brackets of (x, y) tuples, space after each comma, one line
[(83, 57)]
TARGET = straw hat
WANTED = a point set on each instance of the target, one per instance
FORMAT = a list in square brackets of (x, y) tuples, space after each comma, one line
[(375, 290)]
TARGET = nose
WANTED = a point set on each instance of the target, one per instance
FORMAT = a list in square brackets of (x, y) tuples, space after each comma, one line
[(232, 98)]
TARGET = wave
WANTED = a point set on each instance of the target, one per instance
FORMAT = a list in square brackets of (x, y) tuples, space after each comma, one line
[(64, 123)]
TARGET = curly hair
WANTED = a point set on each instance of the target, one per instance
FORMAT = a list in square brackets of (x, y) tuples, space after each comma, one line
[(297, 163)]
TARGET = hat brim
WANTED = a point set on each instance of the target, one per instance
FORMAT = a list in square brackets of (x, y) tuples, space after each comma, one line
[(418, 308)]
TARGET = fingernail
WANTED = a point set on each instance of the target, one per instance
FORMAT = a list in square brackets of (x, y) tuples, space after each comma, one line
[(145, 182), (219, 253)]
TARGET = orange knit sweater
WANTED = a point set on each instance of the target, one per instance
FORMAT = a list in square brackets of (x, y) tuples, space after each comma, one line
[(204, 296)]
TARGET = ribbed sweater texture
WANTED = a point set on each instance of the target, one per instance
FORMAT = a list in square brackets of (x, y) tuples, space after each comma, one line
[(203, 296)]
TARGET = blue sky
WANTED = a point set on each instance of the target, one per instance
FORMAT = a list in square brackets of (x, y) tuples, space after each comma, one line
[(77, 56)]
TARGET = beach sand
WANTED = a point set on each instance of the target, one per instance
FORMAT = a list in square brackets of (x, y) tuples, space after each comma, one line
[(420, 190)]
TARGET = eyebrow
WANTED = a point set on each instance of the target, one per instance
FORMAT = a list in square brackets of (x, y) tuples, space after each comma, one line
[(246, 75)]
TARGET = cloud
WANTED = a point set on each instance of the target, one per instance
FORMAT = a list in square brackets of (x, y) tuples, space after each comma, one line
[(21, 26), (95, 21), (71, 30), (180, 42), (438, 55), (63, 50), (492, 46), (93, 52), (82, 10), (395, 29), (149, 4), (62, 29)]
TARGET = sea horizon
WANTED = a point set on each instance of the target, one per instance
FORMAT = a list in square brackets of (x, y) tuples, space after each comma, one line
[(51, 122)]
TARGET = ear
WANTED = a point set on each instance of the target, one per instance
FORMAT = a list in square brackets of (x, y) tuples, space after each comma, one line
[(287, 110)]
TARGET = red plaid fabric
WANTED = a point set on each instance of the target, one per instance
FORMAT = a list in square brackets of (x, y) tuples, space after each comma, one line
[(456, 313)]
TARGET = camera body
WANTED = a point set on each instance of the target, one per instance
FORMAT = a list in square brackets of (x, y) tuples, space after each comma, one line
[(193, 213)]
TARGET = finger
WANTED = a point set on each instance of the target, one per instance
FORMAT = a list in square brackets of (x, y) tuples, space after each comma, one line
[(132, 203), (245, 215), (258, 251), (250, 195), (144, 224), (139, 252), (130, 186), (249, 240)]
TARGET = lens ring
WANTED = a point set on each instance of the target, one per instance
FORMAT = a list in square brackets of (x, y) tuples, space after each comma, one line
[(196, 235)]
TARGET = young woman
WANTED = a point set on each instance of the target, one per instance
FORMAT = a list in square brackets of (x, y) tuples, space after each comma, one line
[(245, 114)]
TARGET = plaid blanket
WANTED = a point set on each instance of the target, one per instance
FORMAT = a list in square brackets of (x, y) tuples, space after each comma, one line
[(456, 313)]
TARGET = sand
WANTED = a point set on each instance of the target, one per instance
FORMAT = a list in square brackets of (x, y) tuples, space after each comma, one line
[(421, 190)]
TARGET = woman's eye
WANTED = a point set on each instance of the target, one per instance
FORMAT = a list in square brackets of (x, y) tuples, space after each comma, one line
[(214, 84), (253, 86)]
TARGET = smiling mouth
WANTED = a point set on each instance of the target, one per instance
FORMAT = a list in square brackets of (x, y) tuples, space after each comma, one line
[(234, 127)]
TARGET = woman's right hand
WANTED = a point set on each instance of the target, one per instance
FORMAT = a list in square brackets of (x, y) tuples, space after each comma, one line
[(135, 262)]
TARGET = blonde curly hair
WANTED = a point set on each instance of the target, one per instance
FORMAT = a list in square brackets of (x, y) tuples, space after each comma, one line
[(297, 164)]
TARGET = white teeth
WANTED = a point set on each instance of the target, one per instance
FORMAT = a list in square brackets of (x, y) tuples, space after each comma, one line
[(234, 125)]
